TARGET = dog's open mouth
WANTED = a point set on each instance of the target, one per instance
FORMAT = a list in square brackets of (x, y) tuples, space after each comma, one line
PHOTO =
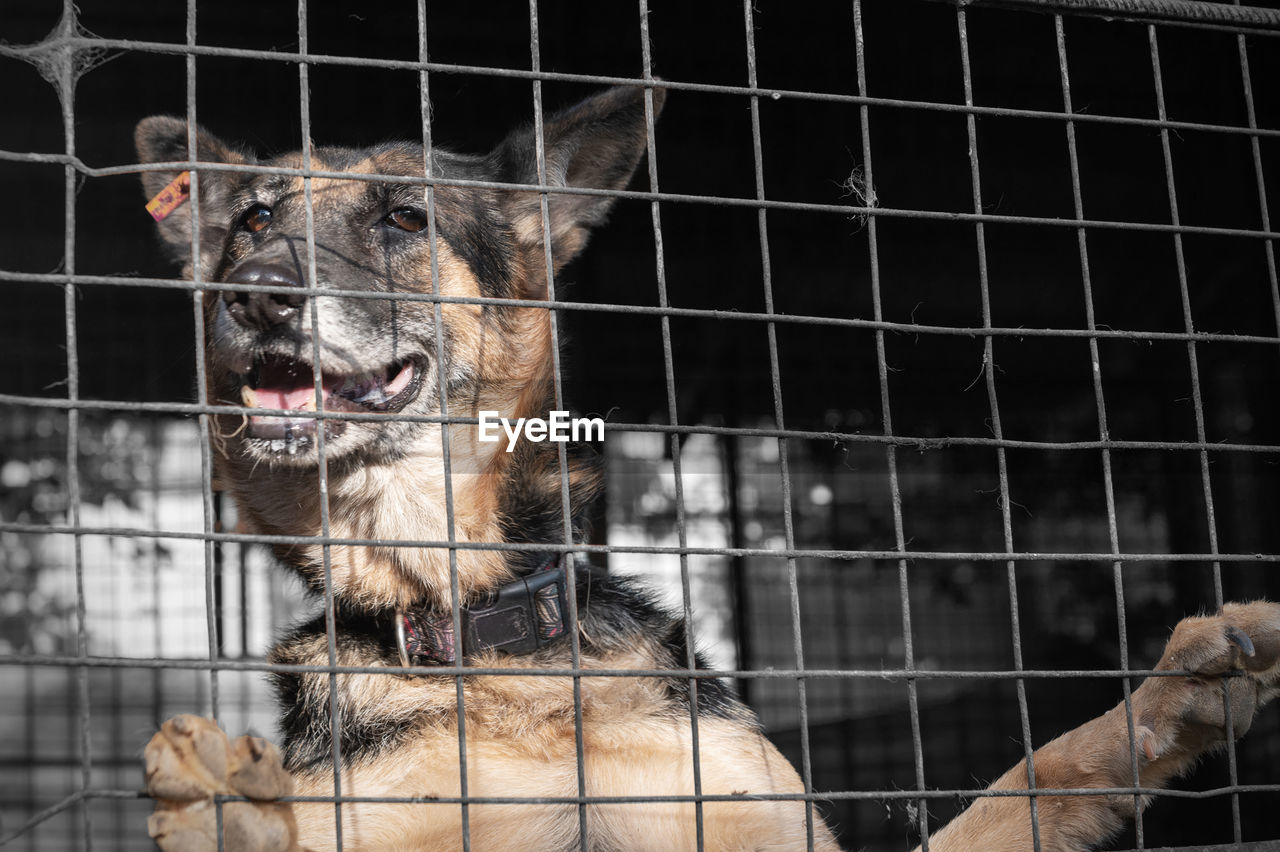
[(283, 383)]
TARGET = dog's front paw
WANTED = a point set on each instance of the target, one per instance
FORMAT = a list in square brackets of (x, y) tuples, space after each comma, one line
[(1187, 715), (189, 761)]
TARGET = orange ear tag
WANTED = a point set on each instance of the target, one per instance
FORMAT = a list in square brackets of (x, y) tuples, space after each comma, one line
[(171, 197)]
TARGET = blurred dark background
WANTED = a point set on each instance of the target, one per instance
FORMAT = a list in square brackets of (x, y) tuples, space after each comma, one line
[(136, 344)]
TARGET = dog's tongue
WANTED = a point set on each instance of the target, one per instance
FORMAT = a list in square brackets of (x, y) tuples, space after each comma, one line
[(287, 386), (288, 399)]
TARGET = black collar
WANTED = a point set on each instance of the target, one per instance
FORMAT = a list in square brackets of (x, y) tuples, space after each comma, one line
[(522, 616)]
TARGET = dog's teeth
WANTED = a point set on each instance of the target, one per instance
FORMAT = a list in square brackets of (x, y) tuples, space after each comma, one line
[(249, 398)]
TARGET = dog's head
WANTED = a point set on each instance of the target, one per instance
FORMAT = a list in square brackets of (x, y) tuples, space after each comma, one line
[(272, 343)]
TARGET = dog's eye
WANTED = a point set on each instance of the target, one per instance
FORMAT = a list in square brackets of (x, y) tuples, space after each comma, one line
[(407, 219), (256, 218)]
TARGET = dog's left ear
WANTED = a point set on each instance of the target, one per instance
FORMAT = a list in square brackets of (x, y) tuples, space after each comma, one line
[(163, 139), (595, 144)]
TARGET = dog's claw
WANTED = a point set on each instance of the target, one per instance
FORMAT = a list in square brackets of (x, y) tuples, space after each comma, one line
[(1241, 639), (188, 762), (1191, 711)]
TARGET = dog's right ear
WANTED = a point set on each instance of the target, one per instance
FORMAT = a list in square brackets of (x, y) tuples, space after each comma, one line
[(163, 139), (595, 144)]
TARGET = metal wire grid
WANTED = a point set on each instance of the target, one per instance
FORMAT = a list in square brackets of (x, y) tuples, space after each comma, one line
[(1242, 20)]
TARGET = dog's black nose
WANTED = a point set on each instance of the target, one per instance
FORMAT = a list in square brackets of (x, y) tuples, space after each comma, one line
[(259, 310)]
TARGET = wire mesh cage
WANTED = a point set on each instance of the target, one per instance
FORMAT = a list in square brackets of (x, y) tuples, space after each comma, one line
[(936, 345)]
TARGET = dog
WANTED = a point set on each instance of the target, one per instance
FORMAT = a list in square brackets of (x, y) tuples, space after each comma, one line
[(411, 305)]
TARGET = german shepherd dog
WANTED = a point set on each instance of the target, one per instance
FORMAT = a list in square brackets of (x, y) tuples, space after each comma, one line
[(391, 370)]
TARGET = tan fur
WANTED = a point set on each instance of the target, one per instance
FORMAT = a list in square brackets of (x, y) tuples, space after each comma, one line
[(628, 752), (1176, 721), (568, 241), (628, 755), (188, 761)]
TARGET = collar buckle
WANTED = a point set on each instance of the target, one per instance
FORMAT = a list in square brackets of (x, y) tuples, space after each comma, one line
[(518, 618)]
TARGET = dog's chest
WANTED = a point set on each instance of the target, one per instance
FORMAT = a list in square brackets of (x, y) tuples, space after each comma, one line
[(520, 792)]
